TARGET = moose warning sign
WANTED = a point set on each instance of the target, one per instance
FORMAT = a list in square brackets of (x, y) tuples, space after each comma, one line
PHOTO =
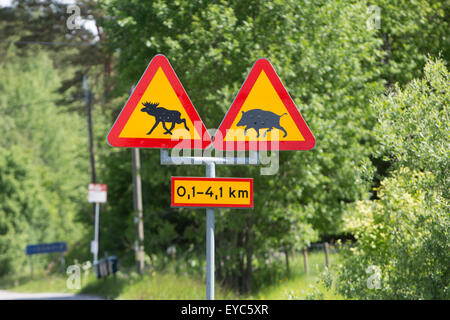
[(159, 113), (263, 116), (212, 192)]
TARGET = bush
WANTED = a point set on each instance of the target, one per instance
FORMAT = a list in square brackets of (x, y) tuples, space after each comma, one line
[(403, 247)]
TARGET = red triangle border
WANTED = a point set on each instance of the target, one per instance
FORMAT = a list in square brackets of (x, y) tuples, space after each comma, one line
[(247, 86), (113, 138)]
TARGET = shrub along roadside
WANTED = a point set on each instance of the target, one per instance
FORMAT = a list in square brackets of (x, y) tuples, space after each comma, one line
[(403, 246)]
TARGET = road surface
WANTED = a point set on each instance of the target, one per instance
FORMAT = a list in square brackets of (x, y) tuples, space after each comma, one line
[(9, 295)]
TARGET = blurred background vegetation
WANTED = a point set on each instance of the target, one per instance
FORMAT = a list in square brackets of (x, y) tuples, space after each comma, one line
[(369, 77)]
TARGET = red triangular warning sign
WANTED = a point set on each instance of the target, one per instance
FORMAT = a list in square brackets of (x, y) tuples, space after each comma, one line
[(263, 116), (159, 113)]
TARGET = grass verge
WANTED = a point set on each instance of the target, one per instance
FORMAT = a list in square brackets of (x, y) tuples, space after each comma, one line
[(168, 285), (299, 284)]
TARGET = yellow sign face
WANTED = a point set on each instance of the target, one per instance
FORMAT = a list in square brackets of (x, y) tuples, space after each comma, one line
[(159, 91), (212, 192), (263, 116), (159, 113), (264, 97)]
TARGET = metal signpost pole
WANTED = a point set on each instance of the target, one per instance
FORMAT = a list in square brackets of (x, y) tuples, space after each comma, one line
[(210, 173), (63, 264), (31, 266), (137, 195), (97, 193), (210, 163), (97, 213)]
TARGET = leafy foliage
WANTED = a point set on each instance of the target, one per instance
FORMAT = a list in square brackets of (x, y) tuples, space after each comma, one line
[(411, 30), (413, 129), (405, 234), (40, 148)]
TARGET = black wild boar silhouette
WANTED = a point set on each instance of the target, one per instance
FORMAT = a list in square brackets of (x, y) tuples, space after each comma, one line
[(260, 119), (163, 115)]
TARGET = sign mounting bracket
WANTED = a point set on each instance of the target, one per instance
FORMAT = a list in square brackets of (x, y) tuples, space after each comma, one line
[(166, 159)]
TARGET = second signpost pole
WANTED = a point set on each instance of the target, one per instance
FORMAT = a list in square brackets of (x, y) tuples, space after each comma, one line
[(97, 221), (210, 173)]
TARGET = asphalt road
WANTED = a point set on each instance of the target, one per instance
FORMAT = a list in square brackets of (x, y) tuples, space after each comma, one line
[(8, 295)]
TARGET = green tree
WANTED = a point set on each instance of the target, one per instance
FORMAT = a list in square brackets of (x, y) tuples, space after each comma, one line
[(405, 232), (410, 30), (20, 204), (75, 51), (44, 174)]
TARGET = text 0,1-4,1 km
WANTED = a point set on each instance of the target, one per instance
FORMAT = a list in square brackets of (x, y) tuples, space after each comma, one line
[(212, 192)]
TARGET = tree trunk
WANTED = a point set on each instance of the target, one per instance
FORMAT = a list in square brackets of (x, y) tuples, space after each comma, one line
[(88, 97), (241, 273), (235, 261), (286, 255), (305, 260), (326, 249)]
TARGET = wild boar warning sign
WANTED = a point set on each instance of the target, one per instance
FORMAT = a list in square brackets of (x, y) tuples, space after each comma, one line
[(263, 116), (159, 113)]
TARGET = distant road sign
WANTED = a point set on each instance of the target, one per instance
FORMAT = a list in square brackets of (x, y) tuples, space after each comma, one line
[(46, 248), (97, 193), (212, 192)]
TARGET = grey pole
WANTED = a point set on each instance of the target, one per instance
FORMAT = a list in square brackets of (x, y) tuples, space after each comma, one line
[(63, 264), (210, 173), (97, 209), (137, 195), (31, 266)]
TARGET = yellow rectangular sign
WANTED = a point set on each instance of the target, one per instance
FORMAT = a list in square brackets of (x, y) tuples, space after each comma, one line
[(202, 192)]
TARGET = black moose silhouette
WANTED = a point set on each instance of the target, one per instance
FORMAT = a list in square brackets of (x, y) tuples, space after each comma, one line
[(260, 119), (163, 115)]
